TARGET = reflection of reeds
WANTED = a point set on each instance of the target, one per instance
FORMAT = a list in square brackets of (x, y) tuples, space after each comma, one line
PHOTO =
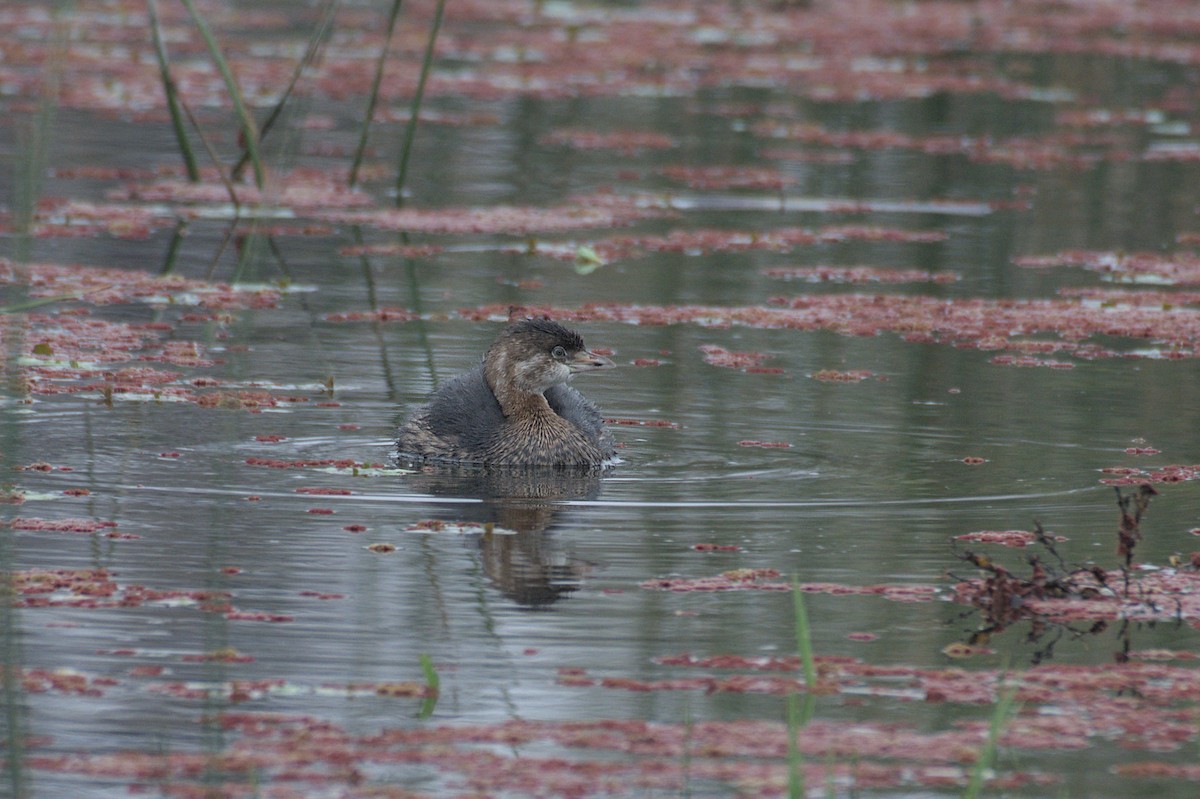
[(318, 37), (410, 130), (373, 95), (33, 139), (249, 128), (172, 93), (414, 111)]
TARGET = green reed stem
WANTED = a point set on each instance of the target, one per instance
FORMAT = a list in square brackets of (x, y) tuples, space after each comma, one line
[(319, 35), (410, 130), (172, 93), (433, 682), (373, 97), (795, 760), (1001, 714), (799, 715), (10, 685), (803, 636), (249, 129)]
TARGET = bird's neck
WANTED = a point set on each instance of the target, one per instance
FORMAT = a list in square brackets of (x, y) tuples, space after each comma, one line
[(514, 401)]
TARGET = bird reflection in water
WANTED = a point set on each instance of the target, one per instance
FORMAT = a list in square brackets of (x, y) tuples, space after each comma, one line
[(529, 566)]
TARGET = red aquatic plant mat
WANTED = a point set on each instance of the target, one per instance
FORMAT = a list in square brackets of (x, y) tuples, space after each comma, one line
[(302, 754), (109, 286), (1140, 267), (99, 589), (1027, 327)]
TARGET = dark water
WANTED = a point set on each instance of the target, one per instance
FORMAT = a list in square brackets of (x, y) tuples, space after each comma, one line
[(871, 490)]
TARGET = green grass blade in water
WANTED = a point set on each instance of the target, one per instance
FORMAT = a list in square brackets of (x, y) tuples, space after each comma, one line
[(1002, 713)]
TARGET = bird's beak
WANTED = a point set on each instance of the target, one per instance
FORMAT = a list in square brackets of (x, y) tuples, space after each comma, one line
[(585, 361)]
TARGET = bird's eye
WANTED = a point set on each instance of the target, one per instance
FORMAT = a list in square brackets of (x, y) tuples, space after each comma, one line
[(559, 353)]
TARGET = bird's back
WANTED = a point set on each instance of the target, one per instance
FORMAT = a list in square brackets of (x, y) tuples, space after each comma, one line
[(463, 422)]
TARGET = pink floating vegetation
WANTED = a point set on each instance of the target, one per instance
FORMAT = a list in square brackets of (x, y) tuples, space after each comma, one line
[(498, 219), (729, 359), (858, 274), (98, 589), (1173, 473), (834, 376), (336, 463), (626, 141), (86, 526), (1006, 538), (769, 580), (644, 423), (973, 323), (303, 189), (728, 177), (107, 286), (1181, 268)]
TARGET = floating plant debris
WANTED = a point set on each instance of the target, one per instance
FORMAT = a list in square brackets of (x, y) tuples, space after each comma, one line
[(645, 423), (719, 356), (728, 177), (60, 525), (770, 580), (626, 141), (1141, 267), (1057, 593), (493, 219), (98, 589), (110, 286), (834, 376), (439, 527), (1173, 473), (382, 548), (858, 274), (716, 548), (1006, 538)]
